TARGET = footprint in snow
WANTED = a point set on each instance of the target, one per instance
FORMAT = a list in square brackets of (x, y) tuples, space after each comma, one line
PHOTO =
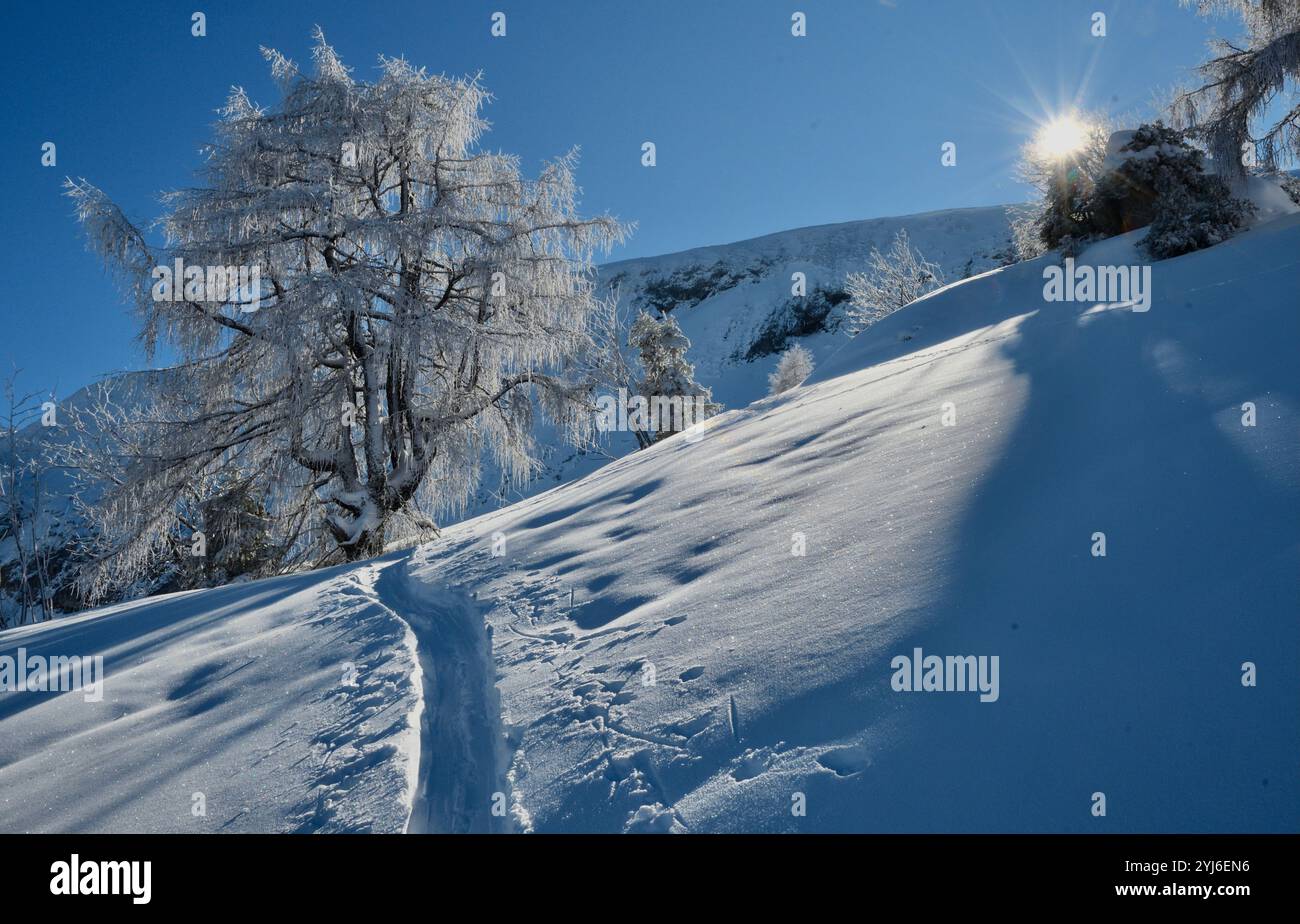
[(845, 761)]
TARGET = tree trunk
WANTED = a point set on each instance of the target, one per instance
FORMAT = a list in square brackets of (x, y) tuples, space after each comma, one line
[(369, 545)]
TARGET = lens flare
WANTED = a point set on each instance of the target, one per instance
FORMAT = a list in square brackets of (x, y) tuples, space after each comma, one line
[(1061, 137)]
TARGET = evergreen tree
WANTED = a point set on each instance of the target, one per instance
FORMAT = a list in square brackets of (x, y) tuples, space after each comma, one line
[(662, 347), (1161, 182), (239, 541)]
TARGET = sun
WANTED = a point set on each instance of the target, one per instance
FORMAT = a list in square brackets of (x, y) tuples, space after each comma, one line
[(1061, 137)]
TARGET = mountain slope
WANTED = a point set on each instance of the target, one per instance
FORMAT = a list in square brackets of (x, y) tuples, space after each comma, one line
[(1119, 675), (735, 303), (665, 662)]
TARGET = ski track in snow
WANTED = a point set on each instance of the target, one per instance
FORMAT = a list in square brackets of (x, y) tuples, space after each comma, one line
[(460, 730)]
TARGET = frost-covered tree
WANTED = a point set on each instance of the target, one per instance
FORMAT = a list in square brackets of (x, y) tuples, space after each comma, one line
[(27, 545), (891, 280), (795, 365), (419, 301), (1064, 180), (1244, 81), (668, 380)]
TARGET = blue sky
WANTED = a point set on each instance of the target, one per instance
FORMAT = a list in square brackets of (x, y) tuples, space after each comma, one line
[(756, 131)]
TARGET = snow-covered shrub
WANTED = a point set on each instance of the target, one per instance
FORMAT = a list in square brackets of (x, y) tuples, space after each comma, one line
[(1291, 186), (795, 365), (1147, 177), (891, 280), (661, 347), (1157, 179), (1025, 221)]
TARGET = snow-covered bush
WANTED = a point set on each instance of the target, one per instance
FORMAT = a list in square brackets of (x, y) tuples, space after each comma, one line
[(661, 347), (1025, 220), (419, 302), (891, 280), (1147, 177), (1157, 179), (1291, 186), (795, 365)]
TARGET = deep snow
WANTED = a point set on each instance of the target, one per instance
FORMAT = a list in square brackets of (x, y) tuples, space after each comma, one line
[(772, 671)]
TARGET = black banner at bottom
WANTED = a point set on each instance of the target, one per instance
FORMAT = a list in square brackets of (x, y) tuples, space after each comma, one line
[(217, 873)]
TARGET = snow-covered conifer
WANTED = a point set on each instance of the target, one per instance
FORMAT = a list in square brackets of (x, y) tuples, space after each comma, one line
[(661, 347), (1158, 180)]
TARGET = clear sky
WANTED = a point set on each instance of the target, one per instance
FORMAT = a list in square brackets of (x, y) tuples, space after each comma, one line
[(756, 130)]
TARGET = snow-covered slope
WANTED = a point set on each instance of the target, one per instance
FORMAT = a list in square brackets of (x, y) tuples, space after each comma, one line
[(289, 704), (664, 661), (735, 303), (1119, 675)]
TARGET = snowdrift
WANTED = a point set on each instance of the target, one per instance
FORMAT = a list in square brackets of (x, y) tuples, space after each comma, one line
[(704, 636)]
